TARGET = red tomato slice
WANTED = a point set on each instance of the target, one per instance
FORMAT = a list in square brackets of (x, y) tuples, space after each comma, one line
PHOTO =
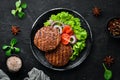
[(65, 38), (67, 29)]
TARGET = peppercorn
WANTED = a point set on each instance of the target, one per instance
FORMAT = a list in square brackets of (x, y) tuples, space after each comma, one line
[(114, 27)]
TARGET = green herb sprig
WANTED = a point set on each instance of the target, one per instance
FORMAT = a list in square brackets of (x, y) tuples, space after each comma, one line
[(10, 49), (107, 73), (19, 9)]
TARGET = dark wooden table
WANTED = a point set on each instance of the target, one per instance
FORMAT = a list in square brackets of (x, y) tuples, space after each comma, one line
[(91, 68)]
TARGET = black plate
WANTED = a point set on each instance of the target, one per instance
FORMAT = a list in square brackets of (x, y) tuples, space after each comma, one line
[(40, 54)]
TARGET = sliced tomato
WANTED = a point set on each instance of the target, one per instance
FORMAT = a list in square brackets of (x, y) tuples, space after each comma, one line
[(65, 38), (71, 33), (67, 29)]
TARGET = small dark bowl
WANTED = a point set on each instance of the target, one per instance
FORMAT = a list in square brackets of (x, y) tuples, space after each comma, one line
[(15, 56), (111, 19), (40, 55)]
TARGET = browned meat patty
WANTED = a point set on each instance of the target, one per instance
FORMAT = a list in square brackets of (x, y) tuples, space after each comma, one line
[(47, 38), (60, 56)]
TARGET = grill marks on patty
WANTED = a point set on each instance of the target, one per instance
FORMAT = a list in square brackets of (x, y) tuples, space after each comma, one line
[(47, 38), (60, 56)]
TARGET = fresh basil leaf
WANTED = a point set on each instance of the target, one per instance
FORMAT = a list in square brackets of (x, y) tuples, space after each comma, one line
[(23, 5), (108, 74), (13, 12), (17, 50), (5, 47), (19, 9), (18, 3), (13, 42), (8, 52), (21, 14), (12, 48)]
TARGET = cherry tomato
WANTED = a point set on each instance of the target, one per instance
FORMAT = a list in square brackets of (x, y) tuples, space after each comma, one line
[(65, 38), (67, 29)]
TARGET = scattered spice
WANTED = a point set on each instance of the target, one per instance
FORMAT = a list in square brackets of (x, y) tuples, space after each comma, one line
[(96, 11), (15, 30), (108, 60), (114, 27)]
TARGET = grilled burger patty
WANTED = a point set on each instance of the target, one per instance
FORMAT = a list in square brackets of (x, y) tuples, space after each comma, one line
[(60, 56), (47, 38)]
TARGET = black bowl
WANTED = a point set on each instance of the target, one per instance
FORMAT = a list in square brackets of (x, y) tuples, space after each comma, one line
[(111, 19), (40, 56)]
